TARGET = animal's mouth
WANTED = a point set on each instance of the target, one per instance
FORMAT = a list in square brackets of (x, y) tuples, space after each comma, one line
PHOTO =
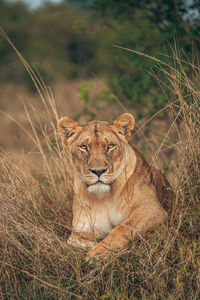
[(95, 181), (98, 187), (99, 180)]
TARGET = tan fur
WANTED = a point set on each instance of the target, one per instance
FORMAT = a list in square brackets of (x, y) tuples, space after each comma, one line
[(117, 195)]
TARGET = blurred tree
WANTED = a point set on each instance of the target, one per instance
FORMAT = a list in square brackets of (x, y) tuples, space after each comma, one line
[(13, 16), (145, 26), (55, 38), (75, 39), (170, 16)]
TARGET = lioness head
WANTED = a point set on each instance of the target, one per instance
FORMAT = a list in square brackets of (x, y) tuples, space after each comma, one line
[(98, 149)]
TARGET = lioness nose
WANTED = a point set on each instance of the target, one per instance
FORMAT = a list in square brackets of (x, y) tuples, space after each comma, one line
[(98, 172)]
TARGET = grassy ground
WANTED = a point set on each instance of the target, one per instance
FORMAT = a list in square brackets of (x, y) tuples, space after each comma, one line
[(35, 220)]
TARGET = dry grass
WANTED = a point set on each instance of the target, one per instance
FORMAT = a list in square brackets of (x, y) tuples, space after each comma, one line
[(35, 219)]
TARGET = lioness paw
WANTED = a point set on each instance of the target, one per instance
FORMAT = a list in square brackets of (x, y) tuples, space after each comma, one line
[(100, 251), (78, 242)]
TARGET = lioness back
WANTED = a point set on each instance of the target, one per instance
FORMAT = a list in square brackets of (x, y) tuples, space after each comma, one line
[(163, 189)]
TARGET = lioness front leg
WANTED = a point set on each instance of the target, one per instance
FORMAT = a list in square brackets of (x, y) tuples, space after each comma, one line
[(82, 227), (140, 221)]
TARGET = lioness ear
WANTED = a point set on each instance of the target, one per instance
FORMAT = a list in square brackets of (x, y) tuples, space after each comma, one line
[(126, 123), (67, 127)]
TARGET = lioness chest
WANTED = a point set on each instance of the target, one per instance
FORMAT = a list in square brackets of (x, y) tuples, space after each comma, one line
[(104, 218)]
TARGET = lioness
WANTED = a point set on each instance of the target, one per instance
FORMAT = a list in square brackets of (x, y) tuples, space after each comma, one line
[(117, 195)]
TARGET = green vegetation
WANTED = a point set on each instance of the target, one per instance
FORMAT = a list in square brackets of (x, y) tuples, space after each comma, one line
[(53, 39), (147, 26), (74, 39)]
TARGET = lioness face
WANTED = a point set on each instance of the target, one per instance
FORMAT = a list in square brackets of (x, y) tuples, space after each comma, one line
[(97, 149), (97, 153)]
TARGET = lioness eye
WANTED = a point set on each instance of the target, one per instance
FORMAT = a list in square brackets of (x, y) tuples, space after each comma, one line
[(110, 146), (84, 147)]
